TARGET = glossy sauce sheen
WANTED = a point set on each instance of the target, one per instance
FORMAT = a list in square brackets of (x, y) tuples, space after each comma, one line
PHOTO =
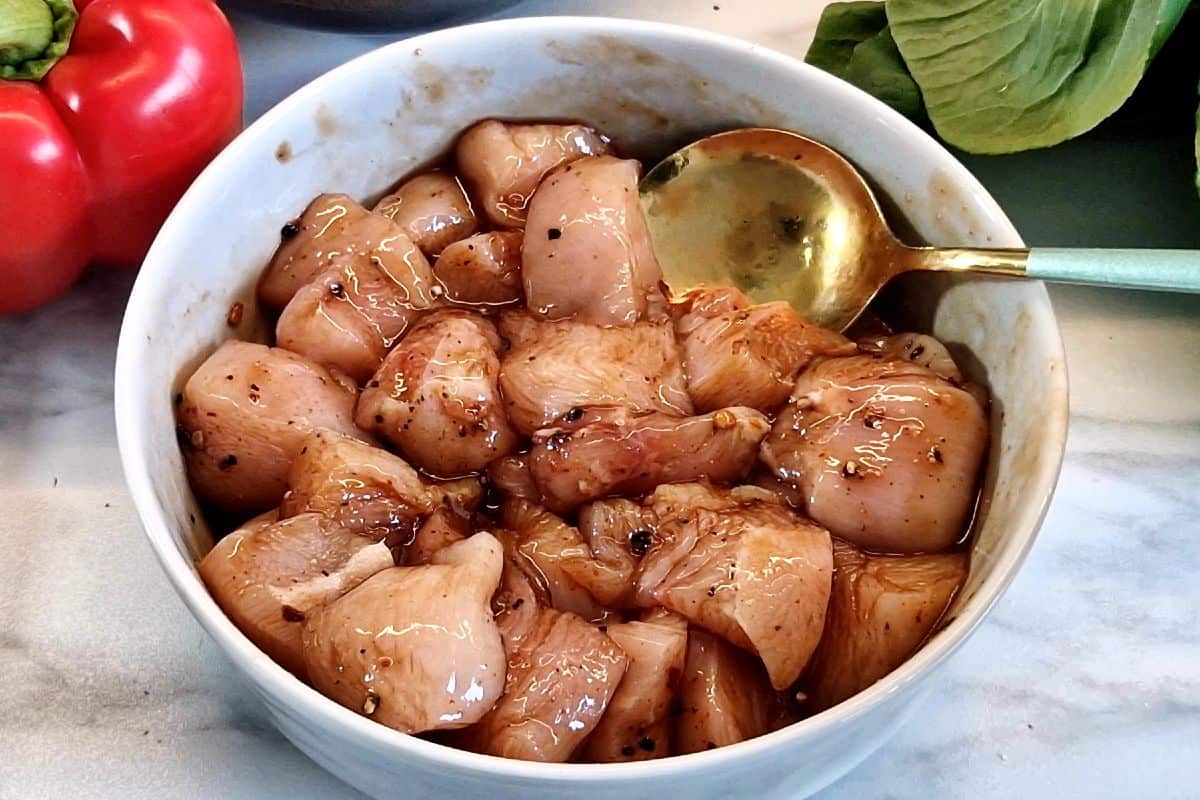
[(516, 494)]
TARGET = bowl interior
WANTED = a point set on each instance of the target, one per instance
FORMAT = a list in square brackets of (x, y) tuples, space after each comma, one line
[(652, 87)]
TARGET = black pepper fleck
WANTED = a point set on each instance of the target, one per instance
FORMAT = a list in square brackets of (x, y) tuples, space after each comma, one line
[(554, 233), (289, 230), (337, 290), (647, 744), (228, 462), (640, 541)]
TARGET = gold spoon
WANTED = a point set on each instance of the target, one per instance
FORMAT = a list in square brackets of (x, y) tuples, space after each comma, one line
[(783, 217)]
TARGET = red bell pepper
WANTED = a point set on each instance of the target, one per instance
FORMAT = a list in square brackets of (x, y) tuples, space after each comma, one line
[(108, 110)]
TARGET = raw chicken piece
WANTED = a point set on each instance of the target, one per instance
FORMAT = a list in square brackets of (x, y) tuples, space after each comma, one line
[(725, 695), (244, 415), (925, 350), (436, 398), (881, 610), (637, 725), (415, 648), (333, 230), (618, 532), (786, 492), (738, 354), (368, 490), (511, 476), (607, 451), (482, 272), (442, 529), (348, 316), (742, 565), (885, 452), (587, 253), (432, 209), (556, 558), (562, 673), (503, 163), (554, 367), (270, 574)]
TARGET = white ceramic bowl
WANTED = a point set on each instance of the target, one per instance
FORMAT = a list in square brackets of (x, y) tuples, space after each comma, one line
[(652, 86)]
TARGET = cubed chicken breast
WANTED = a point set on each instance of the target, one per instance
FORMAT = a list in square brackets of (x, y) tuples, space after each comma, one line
[(742, 565), (333, 230), (614, 451), (553, 367), (432, 209), (637, 725), (415, 648), (737, 354), (243, 416), (885, 452), (510, 475), (881, 610), (368, 490), (483, 271), (441, 529), (725, 697), (556, 556), (619, 532), (269, 575), (562, 674), (503, 163), (436, 396), (348, 316), (587, 253)]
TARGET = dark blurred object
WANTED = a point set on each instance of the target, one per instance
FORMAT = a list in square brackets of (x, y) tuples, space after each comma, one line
[(367, 15)]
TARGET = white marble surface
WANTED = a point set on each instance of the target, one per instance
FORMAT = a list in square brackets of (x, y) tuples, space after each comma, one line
[(1084, 682)]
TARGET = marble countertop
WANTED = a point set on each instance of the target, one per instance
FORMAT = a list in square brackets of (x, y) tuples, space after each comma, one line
[(1083, 683)]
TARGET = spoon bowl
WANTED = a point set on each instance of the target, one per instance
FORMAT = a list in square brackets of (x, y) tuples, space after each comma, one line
[(784, 217)]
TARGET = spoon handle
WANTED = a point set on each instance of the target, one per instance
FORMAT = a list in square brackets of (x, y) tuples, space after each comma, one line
[(1160, 270)]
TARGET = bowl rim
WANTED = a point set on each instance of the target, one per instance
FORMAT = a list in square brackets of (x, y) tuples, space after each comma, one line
[(274, 682)]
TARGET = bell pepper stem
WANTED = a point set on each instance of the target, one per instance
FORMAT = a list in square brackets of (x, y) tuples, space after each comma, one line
[(34, 35)]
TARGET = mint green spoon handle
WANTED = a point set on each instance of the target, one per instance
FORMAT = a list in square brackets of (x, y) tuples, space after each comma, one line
[(1160, 270)]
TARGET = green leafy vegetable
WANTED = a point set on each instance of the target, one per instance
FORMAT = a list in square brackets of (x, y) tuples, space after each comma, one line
[(999, 76), (853, 42)]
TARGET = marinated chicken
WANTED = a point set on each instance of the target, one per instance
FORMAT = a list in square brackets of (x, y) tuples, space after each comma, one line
[(482, 272), (637, 725), (270, 574), (369, 490), (742, 565), (441, 529), (881, 610), (587, 254), (333, 230), (510, 476), (432, 209), (436, 397), (735, 353), (725, 697), (503, 163), (885, 452), (612, 451), (243, 416), (348, 316), (559, 562), (552, 368), (415, 648), (562, 674), (533, 502)]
